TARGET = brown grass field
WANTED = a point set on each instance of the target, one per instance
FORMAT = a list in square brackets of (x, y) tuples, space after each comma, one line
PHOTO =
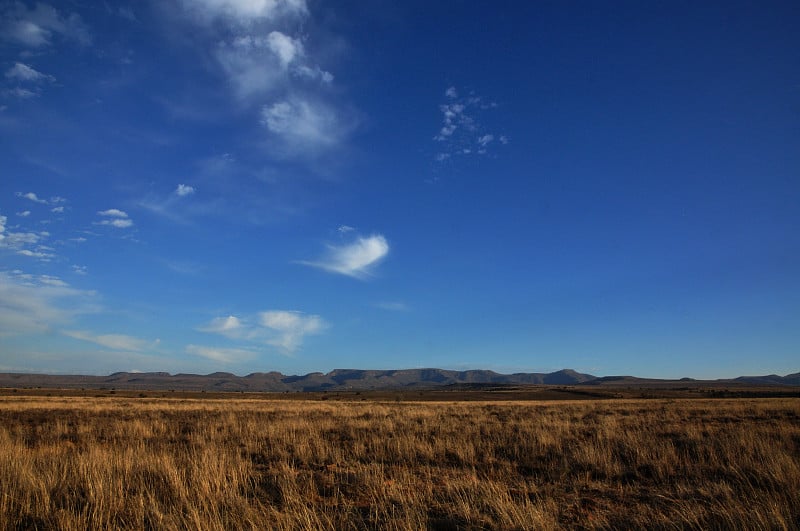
[(85, 462)]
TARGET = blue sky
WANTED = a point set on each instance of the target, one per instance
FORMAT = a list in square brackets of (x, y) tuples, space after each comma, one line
[(255, 185)]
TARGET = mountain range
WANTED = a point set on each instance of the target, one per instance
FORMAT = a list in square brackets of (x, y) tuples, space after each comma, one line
[(356, 379)]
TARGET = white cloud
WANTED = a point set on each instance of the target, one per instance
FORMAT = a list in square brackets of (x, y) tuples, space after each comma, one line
[(114, 213), (41, 255), (112, 341), (36, 27), (284, 47), (225, 355), (356, 259), (120, 221), (304, 126), (183, 190), (32, 196), (462, 131), (344, 229), (291, 327), (31, 304), (79, 270), (117, 223), (231, 327), (23, 72), (57, 210), (244, 11), (282, 329), (485, 140), (24, 213), (24, 243), (21, 93)]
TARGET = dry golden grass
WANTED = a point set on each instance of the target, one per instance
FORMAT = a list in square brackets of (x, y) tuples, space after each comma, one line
[(83, 463)]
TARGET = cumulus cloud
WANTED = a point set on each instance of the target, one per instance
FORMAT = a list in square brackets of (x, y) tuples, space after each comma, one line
[(282, 329), (112, 341), (356, 259), (113, 212), (24, 213), (38, 304), (37, 27), (119, 219), (24, 243)]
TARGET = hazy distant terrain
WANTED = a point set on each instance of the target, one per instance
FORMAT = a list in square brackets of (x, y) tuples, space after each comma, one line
[(354, 379)]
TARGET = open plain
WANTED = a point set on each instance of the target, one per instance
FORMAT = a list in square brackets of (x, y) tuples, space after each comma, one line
[(150, 461)]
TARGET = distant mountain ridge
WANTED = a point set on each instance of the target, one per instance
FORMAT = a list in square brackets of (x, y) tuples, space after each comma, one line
[(351, 379)]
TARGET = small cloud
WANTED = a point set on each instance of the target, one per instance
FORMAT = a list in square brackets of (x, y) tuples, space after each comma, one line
[(113, 212), (304, 126), (57, 210), (485, 140), (24, 213), (24, 73), (278, 328), (112, 341), (120, 221), (230, 327), (451, 92), (344, 229), (354, 260), (80, 270), (183, 190), (32, 196), (290, 327), (43, 256), (21, 93)]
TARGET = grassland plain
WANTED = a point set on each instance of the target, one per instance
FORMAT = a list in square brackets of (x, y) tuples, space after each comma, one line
[(207, 464)]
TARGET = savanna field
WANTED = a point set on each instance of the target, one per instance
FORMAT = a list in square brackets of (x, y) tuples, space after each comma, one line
[(206, 464)]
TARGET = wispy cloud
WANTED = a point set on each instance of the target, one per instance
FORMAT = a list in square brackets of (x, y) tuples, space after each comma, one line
[(462, 131), (39, 26), (305, 126), (113, 341), (24, 73), (38, 304), (33, 197), (356, 259), (224, 355), (262, 52), (282, 329)]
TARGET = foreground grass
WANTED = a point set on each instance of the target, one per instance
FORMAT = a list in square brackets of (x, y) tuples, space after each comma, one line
[(83, 463)]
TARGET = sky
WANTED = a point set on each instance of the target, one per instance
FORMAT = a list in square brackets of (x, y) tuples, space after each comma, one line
[(295, 185)]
